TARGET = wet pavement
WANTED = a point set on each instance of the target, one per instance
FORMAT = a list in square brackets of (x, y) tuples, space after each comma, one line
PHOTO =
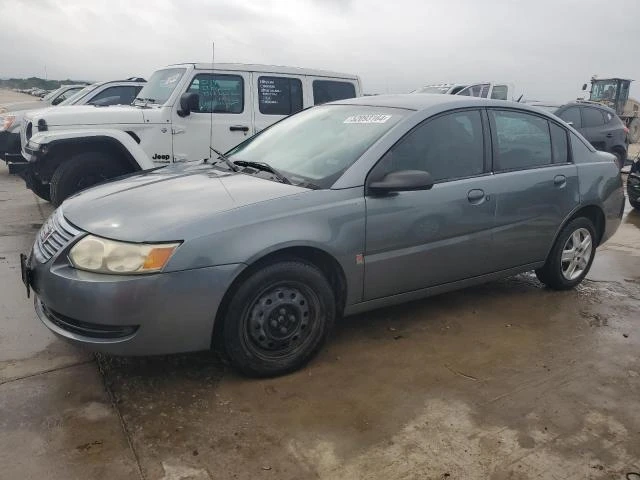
[(507, 380)]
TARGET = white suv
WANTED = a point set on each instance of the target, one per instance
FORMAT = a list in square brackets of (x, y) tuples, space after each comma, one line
[(114, 92), (181, 112)]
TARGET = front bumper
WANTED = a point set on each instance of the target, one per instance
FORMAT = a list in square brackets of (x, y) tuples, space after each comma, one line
[(10, 146), (130, 315)]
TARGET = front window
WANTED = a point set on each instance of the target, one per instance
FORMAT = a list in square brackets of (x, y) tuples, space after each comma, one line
[(436, 89), (317, 145), (160, 86), (218, 93)]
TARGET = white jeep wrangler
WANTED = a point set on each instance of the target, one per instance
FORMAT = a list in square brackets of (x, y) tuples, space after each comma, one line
[(175, 116)]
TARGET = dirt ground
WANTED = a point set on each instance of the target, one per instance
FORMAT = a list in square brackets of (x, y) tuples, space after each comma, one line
[(507, 380)]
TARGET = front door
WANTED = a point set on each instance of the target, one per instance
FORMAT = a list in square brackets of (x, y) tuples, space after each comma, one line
[(224, 116), (418, 239), (536, 186)]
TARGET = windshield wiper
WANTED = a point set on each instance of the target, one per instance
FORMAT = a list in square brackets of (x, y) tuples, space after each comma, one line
[(226, 160), (146, 101), (264, 167)]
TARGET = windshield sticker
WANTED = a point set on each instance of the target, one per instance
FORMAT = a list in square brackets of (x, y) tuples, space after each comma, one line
[(373, 118)]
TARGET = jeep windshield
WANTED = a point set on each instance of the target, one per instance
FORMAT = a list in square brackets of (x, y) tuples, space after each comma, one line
[(80, 94), (315, 147), (159, 87)]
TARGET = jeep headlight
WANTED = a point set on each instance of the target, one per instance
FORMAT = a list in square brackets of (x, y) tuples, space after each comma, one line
[(96, 254), (6, 121)]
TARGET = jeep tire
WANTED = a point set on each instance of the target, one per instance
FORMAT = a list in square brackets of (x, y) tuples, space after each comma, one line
[(83, 171)]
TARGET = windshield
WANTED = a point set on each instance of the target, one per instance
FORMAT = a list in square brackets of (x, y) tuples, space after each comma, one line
[(440, 89), (51, 95), (160, 86), (603, 90), (78, 95), (317, 145)]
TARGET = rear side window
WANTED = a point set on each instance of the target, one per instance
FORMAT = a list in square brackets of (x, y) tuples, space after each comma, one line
[(448, 147), (559, 143), (279, 95), (499, 92), (116, 95), (218, 93), (572, 115), (521, 140), (592, 117), (329, 90)]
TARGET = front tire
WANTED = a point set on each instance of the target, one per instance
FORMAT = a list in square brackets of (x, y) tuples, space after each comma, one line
[(278, 319), (83, 171), (571, 256)]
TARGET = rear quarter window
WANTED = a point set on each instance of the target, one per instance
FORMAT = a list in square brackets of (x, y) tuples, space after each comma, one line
[(579, 151), (330, 90)]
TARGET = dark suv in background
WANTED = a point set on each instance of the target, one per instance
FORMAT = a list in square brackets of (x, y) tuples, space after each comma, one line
[(598, 124)]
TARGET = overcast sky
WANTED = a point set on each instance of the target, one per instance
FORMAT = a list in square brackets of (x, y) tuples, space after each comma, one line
[(547, 48)]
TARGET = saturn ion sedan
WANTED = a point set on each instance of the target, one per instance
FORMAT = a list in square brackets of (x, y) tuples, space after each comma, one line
[(336, 210)]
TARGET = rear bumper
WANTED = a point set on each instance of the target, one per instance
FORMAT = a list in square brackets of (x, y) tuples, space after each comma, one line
[(130, 315)]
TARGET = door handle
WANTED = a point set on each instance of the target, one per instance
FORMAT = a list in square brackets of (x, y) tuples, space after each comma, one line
[(609, 135), (475, 196), (239, 128), (559, 180)]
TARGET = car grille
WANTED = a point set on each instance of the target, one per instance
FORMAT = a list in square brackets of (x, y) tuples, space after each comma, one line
[(55, 234)]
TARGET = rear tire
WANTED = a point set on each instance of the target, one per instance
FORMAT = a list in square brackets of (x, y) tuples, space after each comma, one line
[(571, 256), (278, 319), (83, 171)]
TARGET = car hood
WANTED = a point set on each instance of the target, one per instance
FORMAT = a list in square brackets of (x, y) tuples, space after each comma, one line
[(166, 204), (87, 115), (18, 106)]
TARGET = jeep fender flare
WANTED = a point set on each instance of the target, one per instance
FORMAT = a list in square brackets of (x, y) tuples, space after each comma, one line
[(119, 139)]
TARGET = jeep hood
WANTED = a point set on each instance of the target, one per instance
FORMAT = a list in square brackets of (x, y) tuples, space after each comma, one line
[(72, 115), (171, 203)]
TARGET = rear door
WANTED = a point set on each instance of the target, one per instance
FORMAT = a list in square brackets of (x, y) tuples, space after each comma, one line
[(536, 185), (593, 128), (419, 239), (278, 96), (224, 113)]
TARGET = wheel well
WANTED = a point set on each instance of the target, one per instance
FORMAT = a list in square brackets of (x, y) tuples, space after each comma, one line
[(326, 263), (596, 215), (59, 152)]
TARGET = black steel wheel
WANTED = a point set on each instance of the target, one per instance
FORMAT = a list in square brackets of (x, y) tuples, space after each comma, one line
[(278, 318)]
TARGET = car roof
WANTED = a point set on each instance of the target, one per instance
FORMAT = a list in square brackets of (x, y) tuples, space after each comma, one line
[(255, 67), (424, 101), (597, 105)]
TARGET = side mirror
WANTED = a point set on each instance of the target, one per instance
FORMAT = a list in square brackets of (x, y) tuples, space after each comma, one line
[(402, 181), (584, 86), (189, 102)]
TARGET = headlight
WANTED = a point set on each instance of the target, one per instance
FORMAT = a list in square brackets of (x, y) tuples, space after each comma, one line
[(96, 254), (6, 121)]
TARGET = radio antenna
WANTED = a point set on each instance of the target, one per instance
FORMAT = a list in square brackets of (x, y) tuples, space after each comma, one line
[(213, 82)]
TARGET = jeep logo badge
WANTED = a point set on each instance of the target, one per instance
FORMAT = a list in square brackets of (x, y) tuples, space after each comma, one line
[(158, 157)]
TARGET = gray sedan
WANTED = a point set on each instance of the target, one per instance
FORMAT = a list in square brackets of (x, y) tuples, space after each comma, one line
[(339, 209)]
